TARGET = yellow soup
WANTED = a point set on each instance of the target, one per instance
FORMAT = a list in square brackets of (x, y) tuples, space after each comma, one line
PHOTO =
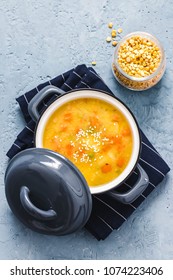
[(94, 135)]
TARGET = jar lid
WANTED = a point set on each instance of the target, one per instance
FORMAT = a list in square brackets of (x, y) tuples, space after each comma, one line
[(47, 192)]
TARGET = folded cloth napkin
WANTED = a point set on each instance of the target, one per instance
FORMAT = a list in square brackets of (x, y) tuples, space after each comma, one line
[(107, 213)]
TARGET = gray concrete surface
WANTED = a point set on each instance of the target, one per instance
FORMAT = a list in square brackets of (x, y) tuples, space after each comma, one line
[(41, 39)]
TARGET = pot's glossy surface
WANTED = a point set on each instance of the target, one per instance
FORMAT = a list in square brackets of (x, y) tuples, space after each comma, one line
[(47, 192)]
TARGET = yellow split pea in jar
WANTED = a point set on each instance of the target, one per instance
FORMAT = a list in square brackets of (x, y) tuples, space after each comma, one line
[(139, 61)]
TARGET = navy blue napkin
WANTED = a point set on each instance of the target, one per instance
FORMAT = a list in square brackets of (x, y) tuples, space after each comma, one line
[(107, 213)]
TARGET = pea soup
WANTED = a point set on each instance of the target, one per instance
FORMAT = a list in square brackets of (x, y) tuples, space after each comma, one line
[(94, 135)]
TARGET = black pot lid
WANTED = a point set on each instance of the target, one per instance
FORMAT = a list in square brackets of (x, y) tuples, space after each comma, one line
[(47, 192)]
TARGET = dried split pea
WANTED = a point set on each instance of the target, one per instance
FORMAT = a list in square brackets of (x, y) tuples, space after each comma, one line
[(108, 39), (114, 43), (113, 33), (120, 30), (93, 63), (110, 24), (139, 56)]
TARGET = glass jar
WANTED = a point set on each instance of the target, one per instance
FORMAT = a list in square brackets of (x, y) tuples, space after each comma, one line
[(133, 82)]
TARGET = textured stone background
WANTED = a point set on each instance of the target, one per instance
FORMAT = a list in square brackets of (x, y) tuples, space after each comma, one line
[(40, 39)]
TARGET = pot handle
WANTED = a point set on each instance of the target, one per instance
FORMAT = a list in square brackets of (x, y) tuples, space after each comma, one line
[(32, 209), (39, 97), (136, 190)]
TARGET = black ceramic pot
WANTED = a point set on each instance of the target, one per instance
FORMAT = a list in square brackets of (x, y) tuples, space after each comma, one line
[(46, 191)]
